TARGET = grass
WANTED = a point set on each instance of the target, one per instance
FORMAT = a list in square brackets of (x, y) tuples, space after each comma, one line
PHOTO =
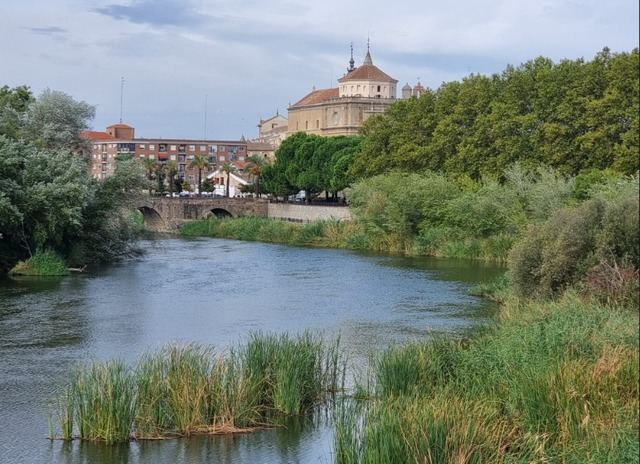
[(181, 390), (346, 235), (42, 263), (551, 382)]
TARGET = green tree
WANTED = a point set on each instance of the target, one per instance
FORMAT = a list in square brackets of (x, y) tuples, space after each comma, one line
[(200, 162), (13, 107), (171, 168), (160, 173), (228, 168), (255, 165), (573, 116), (149, 167), (54, 121)]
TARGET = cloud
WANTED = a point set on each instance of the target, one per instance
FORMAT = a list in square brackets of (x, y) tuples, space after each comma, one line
[(154, 12), (50, 31)]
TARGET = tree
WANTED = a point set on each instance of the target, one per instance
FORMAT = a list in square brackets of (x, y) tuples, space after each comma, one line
[(255, 165), (13, 107), (171, 168), (573, 115), (149, 167), (200, 162), (207, 185), (54, 121), (228, 168), (160, 176)]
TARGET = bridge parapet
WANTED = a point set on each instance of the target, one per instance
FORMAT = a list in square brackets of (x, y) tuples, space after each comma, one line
[(166, 214)]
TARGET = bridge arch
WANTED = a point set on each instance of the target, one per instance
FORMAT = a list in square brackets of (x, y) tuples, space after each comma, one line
[(220, 213), (152, 218)]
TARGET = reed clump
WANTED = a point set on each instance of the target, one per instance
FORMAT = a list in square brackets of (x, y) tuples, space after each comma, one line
[(182, 390), (551, 382)]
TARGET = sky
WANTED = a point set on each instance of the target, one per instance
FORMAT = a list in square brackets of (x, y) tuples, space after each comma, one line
[(249, 59)]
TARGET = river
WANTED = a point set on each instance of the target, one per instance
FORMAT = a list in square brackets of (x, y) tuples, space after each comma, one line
[(214, 292)]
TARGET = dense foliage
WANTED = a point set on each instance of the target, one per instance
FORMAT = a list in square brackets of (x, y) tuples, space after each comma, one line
[(551, 382), (310, 163), (573, 115), (47, 198)]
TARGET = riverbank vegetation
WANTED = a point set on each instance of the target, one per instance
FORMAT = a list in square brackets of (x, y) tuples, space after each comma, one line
[(554, 380), (433, 214), (182, 390), (42, 263), (48, 201)]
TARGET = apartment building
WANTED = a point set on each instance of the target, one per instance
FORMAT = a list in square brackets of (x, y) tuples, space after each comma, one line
[(119, 139)]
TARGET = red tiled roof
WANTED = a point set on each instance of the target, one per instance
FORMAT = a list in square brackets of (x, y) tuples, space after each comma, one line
[(317, 96), (95, 135), (367, 72)]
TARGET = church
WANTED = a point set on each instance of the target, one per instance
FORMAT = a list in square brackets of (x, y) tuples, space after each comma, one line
[(362, 92)]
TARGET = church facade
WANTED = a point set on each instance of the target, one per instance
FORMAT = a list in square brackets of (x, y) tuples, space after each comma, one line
[(362, 92)]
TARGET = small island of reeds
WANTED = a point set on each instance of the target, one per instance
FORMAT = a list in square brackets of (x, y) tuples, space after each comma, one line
[(181, 390)]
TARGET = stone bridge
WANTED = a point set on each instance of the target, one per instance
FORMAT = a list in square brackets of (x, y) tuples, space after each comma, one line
[(167, 214)]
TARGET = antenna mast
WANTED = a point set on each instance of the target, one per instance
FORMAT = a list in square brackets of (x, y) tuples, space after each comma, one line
[(205, 117), (121, 97)]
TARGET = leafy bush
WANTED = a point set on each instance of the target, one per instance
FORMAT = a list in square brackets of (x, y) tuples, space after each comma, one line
[(42, 263), (557, 254)]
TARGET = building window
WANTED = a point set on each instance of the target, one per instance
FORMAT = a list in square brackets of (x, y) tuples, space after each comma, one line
[(173, 157), (173, 148), (152, 156), (378, 88), (181, 168), (141, 145), (181, 158), (162, 147), (142, 155), (306, 124), (240, 158), (104, 167), (192, 148), (212, 149), (317, 123), (297, 125), (221, 157), (152, 147), (203, 148)]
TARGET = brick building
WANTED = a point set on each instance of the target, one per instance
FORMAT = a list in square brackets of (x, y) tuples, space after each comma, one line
[(119, 139)]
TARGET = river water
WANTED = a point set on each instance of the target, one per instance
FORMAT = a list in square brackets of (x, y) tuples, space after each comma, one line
[(214, 292)]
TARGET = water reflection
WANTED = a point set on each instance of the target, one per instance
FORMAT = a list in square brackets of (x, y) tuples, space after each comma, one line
[(214, 292)]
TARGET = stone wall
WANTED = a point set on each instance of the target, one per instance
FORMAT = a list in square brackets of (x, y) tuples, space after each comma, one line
[(307, 213)]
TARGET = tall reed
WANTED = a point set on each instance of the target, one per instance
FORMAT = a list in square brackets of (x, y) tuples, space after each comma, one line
[(185, 389)]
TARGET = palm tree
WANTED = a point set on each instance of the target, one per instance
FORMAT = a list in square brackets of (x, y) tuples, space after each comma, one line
[(150, 167), (228, 168), (254, 165), (160, 175), (172, 169), (200, 162)]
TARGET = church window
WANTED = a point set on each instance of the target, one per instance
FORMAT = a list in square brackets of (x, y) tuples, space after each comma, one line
[(378, 88)]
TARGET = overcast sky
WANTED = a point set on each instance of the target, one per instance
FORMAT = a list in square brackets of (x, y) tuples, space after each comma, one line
[(254, 57)]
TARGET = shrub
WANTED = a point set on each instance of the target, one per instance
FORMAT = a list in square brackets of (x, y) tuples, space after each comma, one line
[(42, 263)]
